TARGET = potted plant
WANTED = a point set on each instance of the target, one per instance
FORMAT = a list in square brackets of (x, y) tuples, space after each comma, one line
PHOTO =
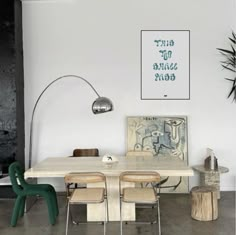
[(230, 63)]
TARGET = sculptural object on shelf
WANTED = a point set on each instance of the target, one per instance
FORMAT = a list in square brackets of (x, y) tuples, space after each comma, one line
[(211, 162)]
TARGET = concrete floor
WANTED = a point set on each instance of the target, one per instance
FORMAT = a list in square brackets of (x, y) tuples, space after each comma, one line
[(175, 219)]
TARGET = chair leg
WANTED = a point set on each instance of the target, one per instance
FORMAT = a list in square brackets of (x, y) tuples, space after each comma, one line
[(53, 197), (67, 217), (72, 219), (159, 218), (15, 214), (106, 215), (22, 207), (51, 212), (104, 222), (55, 203), (121, 232), (107, 210)]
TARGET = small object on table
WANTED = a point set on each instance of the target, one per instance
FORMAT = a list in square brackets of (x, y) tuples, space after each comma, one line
[(107, 158), (204, 203)]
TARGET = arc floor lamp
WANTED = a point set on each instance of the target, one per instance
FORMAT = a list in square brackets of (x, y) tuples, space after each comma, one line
[(100, 105)]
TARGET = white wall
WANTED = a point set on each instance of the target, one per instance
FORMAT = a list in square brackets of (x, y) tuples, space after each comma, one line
[(100, 41)]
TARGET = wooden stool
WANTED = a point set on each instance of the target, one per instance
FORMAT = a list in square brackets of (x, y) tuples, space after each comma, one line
[(204, 203)]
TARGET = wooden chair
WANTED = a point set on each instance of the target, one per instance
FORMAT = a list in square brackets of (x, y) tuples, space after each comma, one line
[(159, 185), (91, 195), (139, 154), (91, 152), (144, 154), (147, 154), (94, 152), (137, 195)]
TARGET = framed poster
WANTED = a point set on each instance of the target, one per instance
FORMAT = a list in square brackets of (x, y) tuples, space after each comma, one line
[(163, 136), (165, 64)]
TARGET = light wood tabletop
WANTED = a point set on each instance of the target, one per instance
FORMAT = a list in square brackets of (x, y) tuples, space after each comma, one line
[(59, 166)]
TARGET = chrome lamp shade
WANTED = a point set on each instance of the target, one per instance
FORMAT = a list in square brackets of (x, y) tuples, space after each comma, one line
[(102, 105)]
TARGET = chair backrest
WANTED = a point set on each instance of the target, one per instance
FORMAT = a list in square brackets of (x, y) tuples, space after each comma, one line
[(139, 154), (140, 176), (86, 152), (17, 177), (83, 178)]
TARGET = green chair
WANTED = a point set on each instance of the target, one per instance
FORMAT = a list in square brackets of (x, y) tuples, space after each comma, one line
[(24, 189)]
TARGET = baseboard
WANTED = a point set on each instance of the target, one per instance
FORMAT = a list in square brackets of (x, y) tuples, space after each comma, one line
[(227, 188)]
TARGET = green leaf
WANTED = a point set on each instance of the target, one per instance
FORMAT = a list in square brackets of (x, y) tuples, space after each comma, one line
[(234, 95), (232, 40), (233, 50), (229, 79), (234, 35), (228, 63), (233, 61), (226, 51), (228, 68), (234, 82), (231, 92)]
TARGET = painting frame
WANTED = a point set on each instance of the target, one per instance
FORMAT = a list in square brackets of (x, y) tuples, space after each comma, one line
[(165, 64), (163, 136)]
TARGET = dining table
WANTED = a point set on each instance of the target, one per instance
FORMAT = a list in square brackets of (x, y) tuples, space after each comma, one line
[(54, 167)]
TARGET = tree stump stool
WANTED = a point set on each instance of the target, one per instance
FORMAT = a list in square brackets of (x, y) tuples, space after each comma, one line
[(204, 203)]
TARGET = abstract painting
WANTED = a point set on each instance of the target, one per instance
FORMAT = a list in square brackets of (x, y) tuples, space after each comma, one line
[(163, 136)]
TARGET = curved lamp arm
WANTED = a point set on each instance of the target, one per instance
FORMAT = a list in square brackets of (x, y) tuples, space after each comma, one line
[(100, 105)]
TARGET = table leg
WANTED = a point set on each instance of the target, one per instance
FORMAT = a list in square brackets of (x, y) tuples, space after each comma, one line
[(211, 178), (95, 212)]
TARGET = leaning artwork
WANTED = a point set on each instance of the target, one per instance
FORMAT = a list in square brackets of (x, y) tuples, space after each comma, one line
[(163, 136)]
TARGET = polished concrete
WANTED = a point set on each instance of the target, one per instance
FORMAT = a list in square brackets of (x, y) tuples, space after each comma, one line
[(175, 219)]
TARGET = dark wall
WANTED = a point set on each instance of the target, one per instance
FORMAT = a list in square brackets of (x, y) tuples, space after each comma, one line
[(19, 81), (11, 84)]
